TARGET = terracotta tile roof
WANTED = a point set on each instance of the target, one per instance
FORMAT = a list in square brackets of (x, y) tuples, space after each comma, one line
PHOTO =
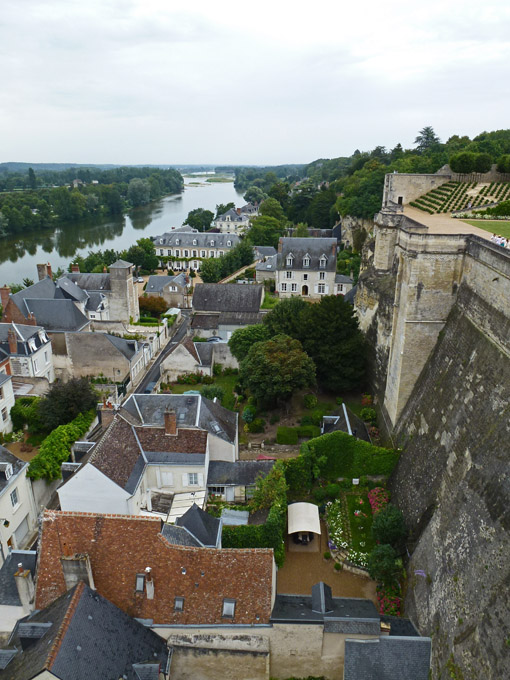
[(190, 346), (120, 547), (185, 441)]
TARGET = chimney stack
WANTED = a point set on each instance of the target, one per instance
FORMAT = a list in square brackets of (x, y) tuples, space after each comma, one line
[(25, 586), (48, 270), (149, 583), (280, 244), (31, 319), (13, 342), (5, 291), (42, 271), (239, 211), (75, 268), (170, 422), (105, 271), (333, 249), (106, 414)]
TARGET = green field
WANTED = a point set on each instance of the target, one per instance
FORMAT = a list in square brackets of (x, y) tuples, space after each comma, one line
[(500, 227), (227, 382)]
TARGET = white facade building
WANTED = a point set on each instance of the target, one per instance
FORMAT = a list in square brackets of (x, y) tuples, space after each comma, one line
[(306, 267), (188, 249)]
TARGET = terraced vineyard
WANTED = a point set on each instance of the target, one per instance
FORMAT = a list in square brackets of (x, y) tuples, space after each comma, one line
[(454, 196)]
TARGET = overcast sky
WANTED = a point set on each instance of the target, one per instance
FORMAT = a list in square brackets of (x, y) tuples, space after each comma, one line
[(167, 81)]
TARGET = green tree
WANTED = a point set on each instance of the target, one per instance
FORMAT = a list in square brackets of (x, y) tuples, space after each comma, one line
[(254, 194), (265, 231), (64, 401), (275, 369), (272, 208), (243, 339), (383, 565), (463, 162), (285, 318), (389, 527), (199, 219), (211, 270), (139, 192), (301, 231), (222, 208), (426, 139), (483, 162), (270, 489), (330, 335), (32, 181)]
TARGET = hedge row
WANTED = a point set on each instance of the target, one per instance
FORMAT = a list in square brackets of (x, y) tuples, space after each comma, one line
[(55, 449), (290, 435), (268, 535)]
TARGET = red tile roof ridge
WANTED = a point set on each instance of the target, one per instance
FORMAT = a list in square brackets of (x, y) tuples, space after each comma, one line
[(52, 655), (190, 346), (98, 447), (223, 551), (51, 515)]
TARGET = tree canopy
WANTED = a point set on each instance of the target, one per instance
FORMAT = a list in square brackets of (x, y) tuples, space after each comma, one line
[(243, 339), (275, 369), (64, 401), (199, 219)]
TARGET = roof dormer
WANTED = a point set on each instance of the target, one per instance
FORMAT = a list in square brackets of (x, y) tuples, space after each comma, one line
[(289, 260), (323, 261), (306, 260)]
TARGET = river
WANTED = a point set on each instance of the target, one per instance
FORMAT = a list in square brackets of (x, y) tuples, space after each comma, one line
[(19, 255)]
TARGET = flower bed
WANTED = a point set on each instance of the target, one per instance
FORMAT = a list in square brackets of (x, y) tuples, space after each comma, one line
[(378, 499), (389, 600), (344, 535)]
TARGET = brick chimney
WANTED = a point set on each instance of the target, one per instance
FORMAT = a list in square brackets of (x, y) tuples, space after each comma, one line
[(238, 211), (5, 291), (25, 586), (75, 268), (333, 249), (13, 341), (31, 321), (170, 422), (280, 244), (105, 271), (48, 270), (106, 414)]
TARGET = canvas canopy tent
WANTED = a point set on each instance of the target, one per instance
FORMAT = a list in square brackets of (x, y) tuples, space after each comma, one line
[(303, 517)]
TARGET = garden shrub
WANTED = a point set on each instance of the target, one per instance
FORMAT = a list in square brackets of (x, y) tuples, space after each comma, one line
[(274, 418), (217, 369), (249, 414), (308, 431), (55, 449), (257, 425), (338, 454), (287, 435), (212, 391), (298, 474), (378, 498), (332, 491), (383, 565), (389, 527), (327, 555), (310, 401), (26, 412), (368, 415)]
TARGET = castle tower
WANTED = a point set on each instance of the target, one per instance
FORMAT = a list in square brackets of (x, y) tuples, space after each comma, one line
[(123, 300)]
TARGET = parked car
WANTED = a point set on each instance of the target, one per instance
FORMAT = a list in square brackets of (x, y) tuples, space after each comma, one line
[(215, 339), (139, 279), (150, 387)]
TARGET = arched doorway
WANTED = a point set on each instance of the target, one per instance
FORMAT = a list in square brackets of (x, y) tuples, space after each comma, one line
[(304, 290)]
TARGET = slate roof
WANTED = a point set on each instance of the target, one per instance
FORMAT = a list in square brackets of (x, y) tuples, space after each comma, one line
[(298, 608), (227, 297), (57, 315), (44, 289), (240, 473), (17, 466), (89, 281), (264, 251), (71, 290), (387, 658), (351, 295), (121, 264), (23, 332), (206, 322), (128, 348), (4, 378), (179, 536), (203, 526), (268, 266), (95, 300), (8, 590), (205, 352), (233, 216), (156, 284), (342, 278), (203, 240), (89, 637), (240, 318), (192, 411), (314, 248), (120, 547)]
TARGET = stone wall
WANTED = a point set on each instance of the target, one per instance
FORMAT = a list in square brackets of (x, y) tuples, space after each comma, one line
[(351, 226), (403, 188)]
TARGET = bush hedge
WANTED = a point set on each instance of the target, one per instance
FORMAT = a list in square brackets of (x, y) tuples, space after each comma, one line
[(287, 435), (338, 454), (55, 449), (26, 412)]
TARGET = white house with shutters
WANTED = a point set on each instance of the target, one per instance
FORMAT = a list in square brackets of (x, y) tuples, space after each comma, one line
[(306, 267)]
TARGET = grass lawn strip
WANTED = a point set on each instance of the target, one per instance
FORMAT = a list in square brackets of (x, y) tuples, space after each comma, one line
[(350, 532), (500, 227)]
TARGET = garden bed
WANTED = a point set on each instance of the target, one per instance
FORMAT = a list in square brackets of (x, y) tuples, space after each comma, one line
[(349, 522)]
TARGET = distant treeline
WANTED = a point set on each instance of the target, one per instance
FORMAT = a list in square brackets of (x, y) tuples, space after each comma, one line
[(114, 191)]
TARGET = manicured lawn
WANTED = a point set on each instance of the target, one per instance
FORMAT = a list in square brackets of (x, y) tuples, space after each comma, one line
[(500, 227), (361, 524), (226, 382), (270, 301)]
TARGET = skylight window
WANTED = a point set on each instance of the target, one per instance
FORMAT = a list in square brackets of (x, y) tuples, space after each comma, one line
[(140, 583), (178, 604), (229, 608)]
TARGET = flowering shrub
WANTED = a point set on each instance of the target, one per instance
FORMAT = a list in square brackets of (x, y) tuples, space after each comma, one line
[(378, 499), (360, 559), (337, 525), (389, 600)]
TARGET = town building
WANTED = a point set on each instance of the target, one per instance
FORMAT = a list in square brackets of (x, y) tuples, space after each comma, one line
[(6, 401), (79, 636), (234, 221), (220, 309), (306, 267), (18, 513), (16, 595), (75, 299), (186, 250), (196, 357), (28, 349), (175, 290)]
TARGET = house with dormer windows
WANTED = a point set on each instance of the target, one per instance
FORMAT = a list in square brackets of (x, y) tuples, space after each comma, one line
[(306, 267), (186, 250)]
